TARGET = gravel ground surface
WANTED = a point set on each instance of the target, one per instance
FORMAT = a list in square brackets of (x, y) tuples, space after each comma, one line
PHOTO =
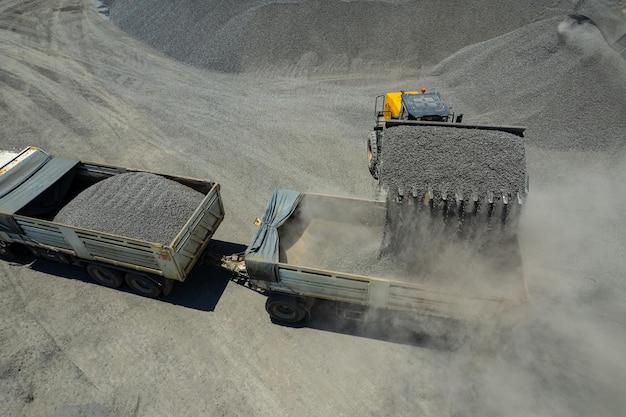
[(281, 95), (138, 205)]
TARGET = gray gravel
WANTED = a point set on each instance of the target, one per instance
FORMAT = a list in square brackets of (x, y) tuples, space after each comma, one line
[(138, 205), (450, 161), (299, 37), (557, 76)]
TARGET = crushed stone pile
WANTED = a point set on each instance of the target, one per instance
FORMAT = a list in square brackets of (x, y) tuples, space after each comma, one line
[(139, 205), (311, 37), (416, 159), (543, 62)]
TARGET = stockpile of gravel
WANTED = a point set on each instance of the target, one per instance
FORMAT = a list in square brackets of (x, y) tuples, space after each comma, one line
[(416, 159), (315, 37), (138, 205), (557, 76)]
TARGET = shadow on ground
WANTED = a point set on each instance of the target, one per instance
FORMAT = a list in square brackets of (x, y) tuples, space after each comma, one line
[(205, 285), (201, 290), (389, 326)]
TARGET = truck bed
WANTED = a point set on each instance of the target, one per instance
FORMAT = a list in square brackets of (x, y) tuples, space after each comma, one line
[(173, 260), (334, 248)]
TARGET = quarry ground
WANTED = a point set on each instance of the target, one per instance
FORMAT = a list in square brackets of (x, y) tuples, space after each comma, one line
[(261, 95)]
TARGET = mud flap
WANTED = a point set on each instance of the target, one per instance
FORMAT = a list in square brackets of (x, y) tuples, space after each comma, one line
[(168, 286)]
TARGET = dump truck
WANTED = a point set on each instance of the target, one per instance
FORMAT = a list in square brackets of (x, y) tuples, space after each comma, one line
[(421, 151), (307, 247), (36, 186)]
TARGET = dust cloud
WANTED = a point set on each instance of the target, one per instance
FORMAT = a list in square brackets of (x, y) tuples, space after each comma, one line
[(562, 354), (564, 357)]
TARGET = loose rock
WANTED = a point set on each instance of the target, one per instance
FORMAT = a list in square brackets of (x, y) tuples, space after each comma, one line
[(138, 205), (466, 162)]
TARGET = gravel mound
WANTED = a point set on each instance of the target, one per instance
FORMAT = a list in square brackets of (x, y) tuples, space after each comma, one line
[(558, 77), (416, 159), (138, 205), (301, 37)]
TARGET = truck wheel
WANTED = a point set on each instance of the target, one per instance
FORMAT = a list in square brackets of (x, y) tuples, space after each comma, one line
[(372, 154), (285, 309), (108, 277), (5, 252), (12, 251), (143, 285)]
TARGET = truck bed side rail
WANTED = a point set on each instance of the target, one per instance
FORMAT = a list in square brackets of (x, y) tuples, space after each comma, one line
[(174, 260), (90, 245), (386, 293), (192, 240)]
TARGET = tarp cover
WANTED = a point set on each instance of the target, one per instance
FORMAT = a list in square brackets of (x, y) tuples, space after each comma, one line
[(262, 255), (36, 185)]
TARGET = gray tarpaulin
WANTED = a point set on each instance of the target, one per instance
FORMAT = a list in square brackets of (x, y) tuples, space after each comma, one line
[(33, 187), (262, 255)]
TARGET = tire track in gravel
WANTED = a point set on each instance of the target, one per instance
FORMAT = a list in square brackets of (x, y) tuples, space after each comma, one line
[(65, 80)]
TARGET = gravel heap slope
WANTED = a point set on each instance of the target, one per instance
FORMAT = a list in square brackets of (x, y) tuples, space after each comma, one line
[(558, 77), (317, 37)]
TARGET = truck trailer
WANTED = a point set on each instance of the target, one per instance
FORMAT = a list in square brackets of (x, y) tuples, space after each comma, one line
[(314, 246), (306, 247), (36, 186)]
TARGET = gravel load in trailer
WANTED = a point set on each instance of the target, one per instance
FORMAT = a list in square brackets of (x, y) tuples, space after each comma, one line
[(141, 205)]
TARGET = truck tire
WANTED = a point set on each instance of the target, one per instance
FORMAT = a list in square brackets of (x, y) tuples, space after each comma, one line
[(11, 251), (5, 251), (373, 154), (143, 285), (108, 277), (285, 309)]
